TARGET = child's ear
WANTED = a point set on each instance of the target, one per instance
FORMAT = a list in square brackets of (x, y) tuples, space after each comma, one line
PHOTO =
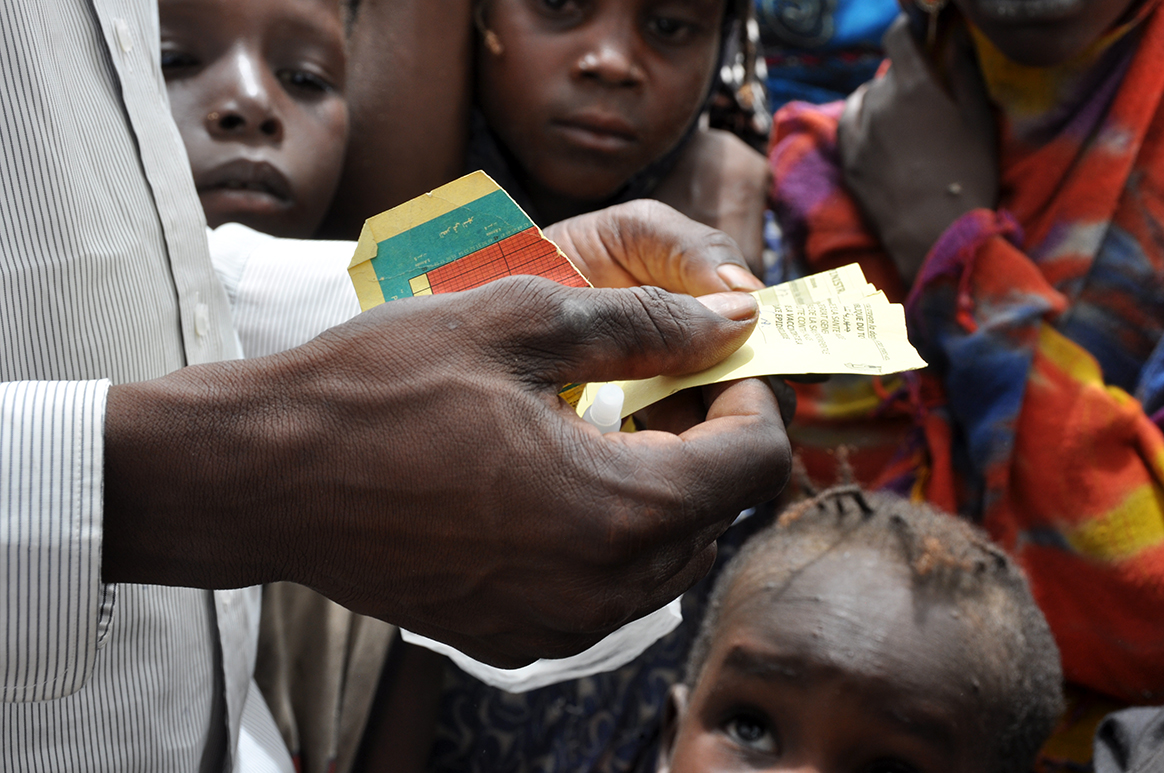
[(488, 36), (673, 712)]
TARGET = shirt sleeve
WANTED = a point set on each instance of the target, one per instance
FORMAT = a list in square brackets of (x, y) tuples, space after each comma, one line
[(53, 606), (283, 292)]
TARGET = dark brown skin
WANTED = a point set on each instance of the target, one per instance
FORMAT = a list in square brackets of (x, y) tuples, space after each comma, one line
[(409, 93), (842, 670), (616, 84), (1044, 34), (692, 258), (723, 182), (257, 91), (906, 137), (417, 465)]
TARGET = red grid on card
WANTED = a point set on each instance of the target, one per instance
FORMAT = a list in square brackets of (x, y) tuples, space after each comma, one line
[(523, 253)]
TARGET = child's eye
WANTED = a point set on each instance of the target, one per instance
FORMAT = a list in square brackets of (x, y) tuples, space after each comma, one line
[(752, 732), (177, 60), (304, 82), (561, 13), (670, 30)]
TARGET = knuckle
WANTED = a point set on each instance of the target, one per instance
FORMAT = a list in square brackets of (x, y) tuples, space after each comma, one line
[(606, 613), (533, 295), (665, 317), (646, 210), (537, 318), (714, 240)]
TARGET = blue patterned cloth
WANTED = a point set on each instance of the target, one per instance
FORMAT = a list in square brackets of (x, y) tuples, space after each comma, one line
[(820, 50), (607, 723)]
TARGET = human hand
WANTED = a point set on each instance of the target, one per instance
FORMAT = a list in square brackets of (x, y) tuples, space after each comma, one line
[(723, 182), (416, 464), (916, 156), (645, 242)]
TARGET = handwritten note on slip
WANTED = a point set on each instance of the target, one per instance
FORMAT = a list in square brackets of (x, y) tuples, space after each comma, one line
[(827, 323), (457, 237)]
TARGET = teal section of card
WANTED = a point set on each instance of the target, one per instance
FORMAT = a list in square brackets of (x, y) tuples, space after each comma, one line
[(443, 239)]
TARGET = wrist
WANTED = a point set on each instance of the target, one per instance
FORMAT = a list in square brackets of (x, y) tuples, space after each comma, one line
[(185, 493)]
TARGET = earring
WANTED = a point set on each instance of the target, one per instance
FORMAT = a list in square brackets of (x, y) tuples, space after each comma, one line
[(932, 9), (493, 43), (212, 117), (488, 36)]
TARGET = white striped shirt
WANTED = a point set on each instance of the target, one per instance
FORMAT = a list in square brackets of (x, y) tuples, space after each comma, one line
[(104, 277)]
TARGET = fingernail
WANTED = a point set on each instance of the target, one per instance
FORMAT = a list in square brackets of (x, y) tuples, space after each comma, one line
[(738, 277), (737, 306)]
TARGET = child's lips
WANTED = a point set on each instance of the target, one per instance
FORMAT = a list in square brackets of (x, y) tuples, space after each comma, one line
[(245, 182), (606, 134)]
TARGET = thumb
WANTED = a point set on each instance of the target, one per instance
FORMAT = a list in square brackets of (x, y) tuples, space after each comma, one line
[(583, 334)]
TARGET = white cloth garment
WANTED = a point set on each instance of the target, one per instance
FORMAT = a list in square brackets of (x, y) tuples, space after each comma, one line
[(615, 651), (104, 278)]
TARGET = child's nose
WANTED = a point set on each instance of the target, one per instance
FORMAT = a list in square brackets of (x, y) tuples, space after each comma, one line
[(236, 120), (612, 60), (246, 109)]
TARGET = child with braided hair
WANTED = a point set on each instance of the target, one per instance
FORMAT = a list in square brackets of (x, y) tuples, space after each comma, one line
[(864, 633)]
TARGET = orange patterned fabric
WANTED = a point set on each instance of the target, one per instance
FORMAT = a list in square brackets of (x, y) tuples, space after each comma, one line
[(1040, 414)]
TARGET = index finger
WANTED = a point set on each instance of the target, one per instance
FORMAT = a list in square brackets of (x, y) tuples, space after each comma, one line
[(700, 481), (646, 242), (738, 457)]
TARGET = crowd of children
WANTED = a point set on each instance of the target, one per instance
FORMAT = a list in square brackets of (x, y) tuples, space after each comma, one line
[(1002, 175)]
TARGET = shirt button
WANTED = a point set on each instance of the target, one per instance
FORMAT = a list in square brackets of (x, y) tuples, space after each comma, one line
[(201, 319), (124, 38)]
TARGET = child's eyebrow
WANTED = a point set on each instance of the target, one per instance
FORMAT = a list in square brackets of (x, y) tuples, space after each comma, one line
[(920, 723), (923, 722), (775, 667), (294, 29)]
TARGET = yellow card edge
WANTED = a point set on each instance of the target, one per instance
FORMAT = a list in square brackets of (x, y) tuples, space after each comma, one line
[(426, 207), (363, 274)]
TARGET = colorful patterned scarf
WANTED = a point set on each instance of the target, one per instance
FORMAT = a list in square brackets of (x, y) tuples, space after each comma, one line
[(1040, 414)]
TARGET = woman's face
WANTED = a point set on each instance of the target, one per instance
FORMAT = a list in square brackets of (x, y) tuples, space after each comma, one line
[(1044, 33)]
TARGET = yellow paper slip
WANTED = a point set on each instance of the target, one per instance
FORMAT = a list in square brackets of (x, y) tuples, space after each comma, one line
[(828, 323)]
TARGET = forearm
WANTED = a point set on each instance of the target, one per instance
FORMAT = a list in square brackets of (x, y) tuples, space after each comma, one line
[(188, 460)]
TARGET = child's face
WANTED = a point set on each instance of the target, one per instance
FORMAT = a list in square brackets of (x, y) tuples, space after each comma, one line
[(256, 87), (586, 93), (1043, 32), (845, 671)]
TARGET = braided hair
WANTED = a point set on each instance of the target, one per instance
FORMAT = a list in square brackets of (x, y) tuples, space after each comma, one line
[(951, 562)]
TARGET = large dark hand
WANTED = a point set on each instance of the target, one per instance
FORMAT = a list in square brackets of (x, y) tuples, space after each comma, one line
[(416, 464), (916, 156), (646, 242)]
